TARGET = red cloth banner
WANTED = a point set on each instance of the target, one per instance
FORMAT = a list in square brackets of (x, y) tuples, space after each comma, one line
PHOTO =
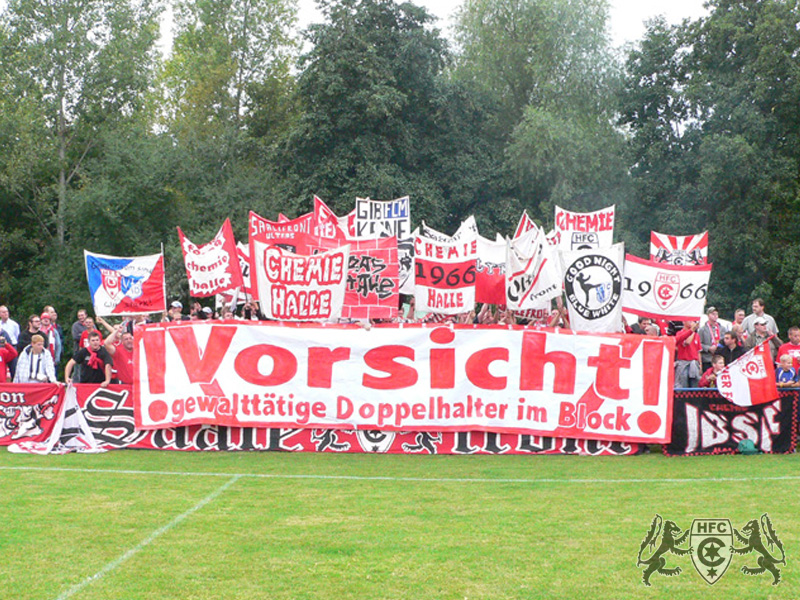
[(289, 235), (409, 378), (445, 275), (296, 287), (28, 412), (679, 249), (110, 415), (213, 267), (490, 267), (372, 290), (326, 222), (750, 379)]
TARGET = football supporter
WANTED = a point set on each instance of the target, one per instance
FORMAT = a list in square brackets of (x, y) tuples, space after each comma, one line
[(34, 328), (120, 346), (7, 355), (792, 347), (709, 378), (687, 363), (710, 336), (786, 373), (758, 313), (95, 363), (35, 364), (78, 327), (761, 335), (730, 349)]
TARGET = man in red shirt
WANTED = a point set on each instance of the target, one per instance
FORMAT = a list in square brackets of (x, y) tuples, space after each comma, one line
[(687, 363), (120, 346), (792, 347)]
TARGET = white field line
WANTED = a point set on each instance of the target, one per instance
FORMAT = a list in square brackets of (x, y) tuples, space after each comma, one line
[(654, 480), (148, 540)]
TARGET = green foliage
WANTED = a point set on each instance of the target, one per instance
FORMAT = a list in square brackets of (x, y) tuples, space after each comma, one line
[(715, 144)]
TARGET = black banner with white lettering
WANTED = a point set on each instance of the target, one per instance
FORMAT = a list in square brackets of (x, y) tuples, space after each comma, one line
[(703, 422)]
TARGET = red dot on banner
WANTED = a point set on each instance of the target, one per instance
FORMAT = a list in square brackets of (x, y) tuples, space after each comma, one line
[(158, 410), (443, 335), (649, 422)]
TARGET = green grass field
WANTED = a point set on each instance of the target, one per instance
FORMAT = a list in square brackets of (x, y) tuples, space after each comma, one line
[(169, 525)]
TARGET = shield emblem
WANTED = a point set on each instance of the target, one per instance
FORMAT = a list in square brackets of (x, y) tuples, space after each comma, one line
[(111, 282), (711, 540), (666, 289), (375, 441)]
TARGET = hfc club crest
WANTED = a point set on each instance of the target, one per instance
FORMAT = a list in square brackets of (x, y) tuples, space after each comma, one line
[(666, 289), (111, 282), (712, 540)]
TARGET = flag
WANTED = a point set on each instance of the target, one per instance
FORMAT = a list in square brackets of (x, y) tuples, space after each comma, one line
[(659, 290), (533, 276), (593, 288), (126, 286), (213, 267), (679, 249), (584, 231), (750, 379), (525, 224)]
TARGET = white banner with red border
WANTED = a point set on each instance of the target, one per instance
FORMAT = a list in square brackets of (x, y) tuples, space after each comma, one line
[(410, 378), (662, 291)]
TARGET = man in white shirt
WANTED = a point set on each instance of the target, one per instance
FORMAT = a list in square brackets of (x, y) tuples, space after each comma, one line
[(749, 323)]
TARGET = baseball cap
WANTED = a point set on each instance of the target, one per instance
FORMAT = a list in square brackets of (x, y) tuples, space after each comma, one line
[(207, 310), (760, 321), (176, 304), (711, 309)]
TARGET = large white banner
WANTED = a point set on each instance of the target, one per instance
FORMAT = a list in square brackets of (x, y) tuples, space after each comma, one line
[(583, 231), (593, 288), (410, 378), (662, 291), (301, 288)]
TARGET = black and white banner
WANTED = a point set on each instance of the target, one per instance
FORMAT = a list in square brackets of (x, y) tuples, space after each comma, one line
[(593, 288), (658, 290), (383, 218), (703, 422)]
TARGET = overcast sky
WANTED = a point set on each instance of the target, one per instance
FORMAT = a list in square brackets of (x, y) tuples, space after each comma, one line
[(627, 16)]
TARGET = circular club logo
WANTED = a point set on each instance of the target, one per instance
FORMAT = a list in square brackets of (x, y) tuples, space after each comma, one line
[(593, 284)]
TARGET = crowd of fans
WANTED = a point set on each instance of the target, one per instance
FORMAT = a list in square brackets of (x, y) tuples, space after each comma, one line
[(33, 354)]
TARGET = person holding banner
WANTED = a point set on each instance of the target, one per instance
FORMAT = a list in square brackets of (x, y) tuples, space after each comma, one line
[(95, 363), (687, 363), (120, 345), (709, 378), (7, 355)]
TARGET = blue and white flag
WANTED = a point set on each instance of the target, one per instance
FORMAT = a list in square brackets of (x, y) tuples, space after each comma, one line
[(126, 286)]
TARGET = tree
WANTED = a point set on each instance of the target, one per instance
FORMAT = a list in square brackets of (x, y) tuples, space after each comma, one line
[(70, 68), (715, 143), (380, 118)]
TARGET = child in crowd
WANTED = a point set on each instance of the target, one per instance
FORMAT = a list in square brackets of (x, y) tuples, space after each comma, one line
[(709, 378), (786, 374)]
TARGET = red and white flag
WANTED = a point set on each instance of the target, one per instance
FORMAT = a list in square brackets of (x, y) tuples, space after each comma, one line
[(525, 224), (679, 249), (213, 267), (750, 380)]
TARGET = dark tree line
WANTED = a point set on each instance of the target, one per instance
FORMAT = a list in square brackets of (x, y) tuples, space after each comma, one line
[(107, 145)]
